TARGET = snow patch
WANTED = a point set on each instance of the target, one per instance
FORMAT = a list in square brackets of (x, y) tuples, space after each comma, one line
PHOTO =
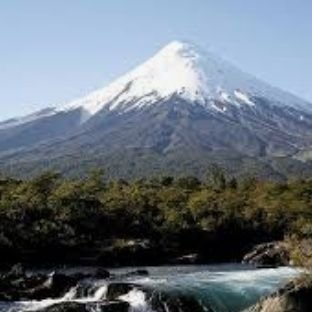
[(225, 97), (243, 97)]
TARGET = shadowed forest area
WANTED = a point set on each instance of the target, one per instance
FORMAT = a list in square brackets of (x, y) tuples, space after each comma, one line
[(53, 218)]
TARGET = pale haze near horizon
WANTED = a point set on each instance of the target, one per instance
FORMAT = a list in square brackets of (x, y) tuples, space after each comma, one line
[(55, 51)]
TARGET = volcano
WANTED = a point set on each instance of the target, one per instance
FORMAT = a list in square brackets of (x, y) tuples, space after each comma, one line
[(180, 112)]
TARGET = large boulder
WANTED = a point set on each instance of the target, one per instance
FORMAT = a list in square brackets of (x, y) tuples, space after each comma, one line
[(54, 287), (271, 254), (294, 297), (115, 290)]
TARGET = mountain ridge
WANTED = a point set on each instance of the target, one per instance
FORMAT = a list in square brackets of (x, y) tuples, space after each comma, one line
[(182, 105)]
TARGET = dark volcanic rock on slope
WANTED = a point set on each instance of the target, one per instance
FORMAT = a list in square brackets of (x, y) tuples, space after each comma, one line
[(174, 138), (44, 129)]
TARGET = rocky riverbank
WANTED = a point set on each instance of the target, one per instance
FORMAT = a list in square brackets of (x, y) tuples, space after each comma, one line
[(19, 286), (294, 297)]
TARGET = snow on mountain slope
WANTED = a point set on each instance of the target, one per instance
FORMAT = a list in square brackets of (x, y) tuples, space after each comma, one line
[(185, 70), (14, 122), (182, 69)]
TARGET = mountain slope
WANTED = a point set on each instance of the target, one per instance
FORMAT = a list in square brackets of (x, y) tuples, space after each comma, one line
[(181, 111)]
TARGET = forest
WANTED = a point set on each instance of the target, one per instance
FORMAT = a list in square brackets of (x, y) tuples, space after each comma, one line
[(148, 221)]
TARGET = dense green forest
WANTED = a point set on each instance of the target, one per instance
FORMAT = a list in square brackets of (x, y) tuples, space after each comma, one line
[(61, 219)]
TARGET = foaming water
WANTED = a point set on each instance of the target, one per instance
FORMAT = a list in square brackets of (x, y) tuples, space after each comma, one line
[(230, 288), (224, 288), (99, 293), (137, 300)]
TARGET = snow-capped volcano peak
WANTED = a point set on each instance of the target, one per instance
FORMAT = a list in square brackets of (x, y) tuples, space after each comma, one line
[(185, 70), (173, 70)]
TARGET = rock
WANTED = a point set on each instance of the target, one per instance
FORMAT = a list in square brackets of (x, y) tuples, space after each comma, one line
[(272, 254), (56, 286), (66, 307), (162, 302), (101, 274), (294, 297), (13, 287), (81, 276), (15, 276), (16, 271), (115, 290), (35, 287), (115, 306)]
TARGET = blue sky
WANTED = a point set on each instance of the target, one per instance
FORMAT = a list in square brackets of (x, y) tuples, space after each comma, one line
[(52, 51)]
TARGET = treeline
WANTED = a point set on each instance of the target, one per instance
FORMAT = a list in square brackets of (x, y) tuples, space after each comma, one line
[(50, 217)]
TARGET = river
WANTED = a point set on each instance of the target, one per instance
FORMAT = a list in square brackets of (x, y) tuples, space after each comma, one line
[(222, 288)]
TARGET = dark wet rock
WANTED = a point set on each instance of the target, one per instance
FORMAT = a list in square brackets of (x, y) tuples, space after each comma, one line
[(272, 254), (102, 274), (67, 307), (115, 290), (16, 271), (35, 287), (54, 287), (162, 302), (81, 276), (99, 273), (115, 306), (17, 285), (294, 297), (15, 276)]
